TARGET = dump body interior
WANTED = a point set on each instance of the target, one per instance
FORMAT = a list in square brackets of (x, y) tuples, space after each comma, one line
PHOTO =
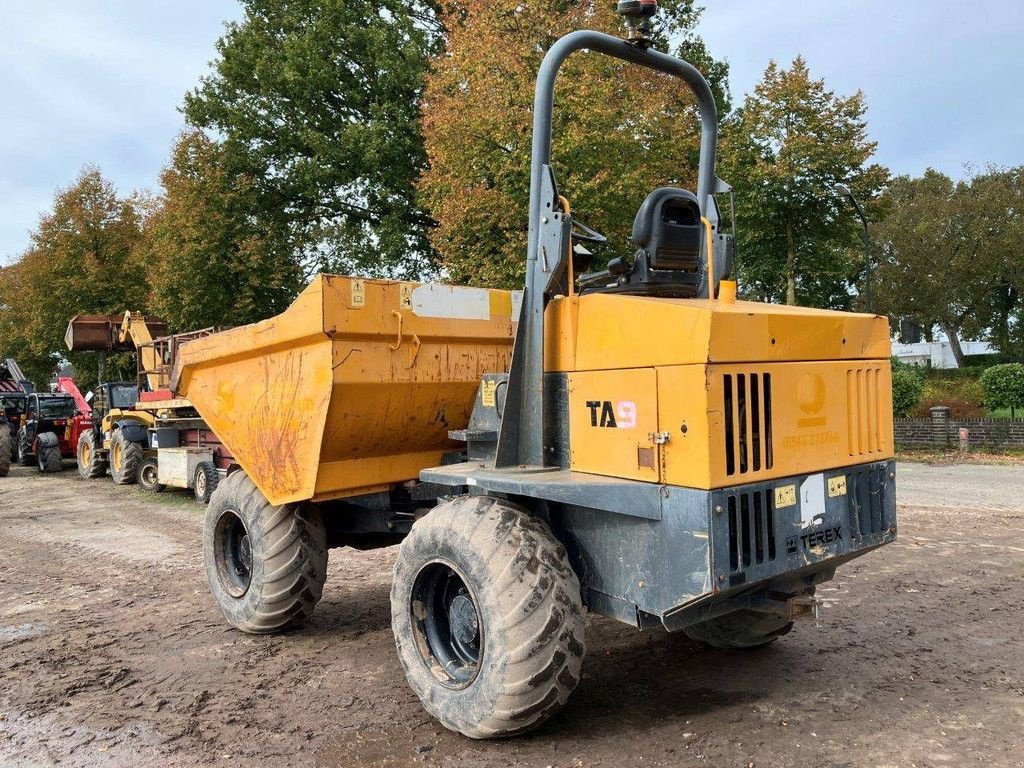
[(353, 388)]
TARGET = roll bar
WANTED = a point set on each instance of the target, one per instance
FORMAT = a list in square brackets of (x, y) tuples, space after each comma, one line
[(521, 439)]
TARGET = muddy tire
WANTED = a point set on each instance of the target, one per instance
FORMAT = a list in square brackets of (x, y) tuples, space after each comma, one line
[(48, 458), (25, 456), (149, 475), (204, 482), (266, 565), (740, 630), (125, 459), (487, 617), (5, 450), (90, 464)]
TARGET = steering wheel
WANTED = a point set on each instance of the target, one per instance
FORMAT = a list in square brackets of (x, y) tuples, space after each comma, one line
[(581, 233)]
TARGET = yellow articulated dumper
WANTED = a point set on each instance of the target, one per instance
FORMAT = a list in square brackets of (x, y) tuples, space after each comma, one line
[(654, 450)]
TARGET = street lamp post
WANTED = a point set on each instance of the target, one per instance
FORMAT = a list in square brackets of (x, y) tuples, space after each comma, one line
[(844, 191)]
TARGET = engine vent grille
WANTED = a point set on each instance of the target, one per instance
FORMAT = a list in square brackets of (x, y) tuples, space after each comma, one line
[(862, 417), (751, 529), (866, 493), (748, 422)]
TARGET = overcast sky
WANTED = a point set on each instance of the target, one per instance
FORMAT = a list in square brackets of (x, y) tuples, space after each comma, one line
[(101, 82)]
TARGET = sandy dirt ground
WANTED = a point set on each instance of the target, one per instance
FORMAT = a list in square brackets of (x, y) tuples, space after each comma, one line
[(112, 653)]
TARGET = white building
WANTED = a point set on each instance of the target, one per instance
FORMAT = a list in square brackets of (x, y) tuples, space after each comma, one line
[(937, 354)]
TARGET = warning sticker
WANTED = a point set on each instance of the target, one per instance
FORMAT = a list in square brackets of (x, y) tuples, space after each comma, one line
[(358, 294), (488, 392), (837, 486), (407, 296), (785, 496)]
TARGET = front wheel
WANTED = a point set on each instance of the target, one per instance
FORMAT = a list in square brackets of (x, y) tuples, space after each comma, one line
[(48, 458), (125, 459), (266, 565), (90, 463), (25, 457), (488, 617), (149, 475), (5, 449), (204, 481), (740, 630)]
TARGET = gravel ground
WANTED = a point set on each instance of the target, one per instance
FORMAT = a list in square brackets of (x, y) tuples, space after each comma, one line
[(111, 653)]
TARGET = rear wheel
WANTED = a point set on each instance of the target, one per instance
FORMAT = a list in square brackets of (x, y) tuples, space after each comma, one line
[(5, 449), (204, 482), (487, 617), (149, 476), (125, 459), (48, 458), (740, 630), (25, 457), (266, 565), (90, 464)]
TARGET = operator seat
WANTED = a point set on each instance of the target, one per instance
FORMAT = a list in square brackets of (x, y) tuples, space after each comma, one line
[(668, 231)]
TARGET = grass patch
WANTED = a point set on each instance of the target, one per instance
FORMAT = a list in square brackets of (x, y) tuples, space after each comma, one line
[(948, 456)]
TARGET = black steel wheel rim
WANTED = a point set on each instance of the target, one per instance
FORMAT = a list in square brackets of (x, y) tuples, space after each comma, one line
[(234, 554), (446, 620)]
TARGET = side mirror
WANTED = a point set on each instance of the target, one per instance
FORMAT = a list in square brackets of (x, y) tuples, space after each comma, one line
[(88, 396)]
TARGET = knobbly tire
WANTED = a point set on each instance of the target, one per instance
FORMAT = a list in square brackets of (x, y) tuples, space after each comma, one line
[(487, 616), (25, 457), (90, 464), (125, 459), (740, 630), (204, 482), (48, 458), (149, 474), (266, 565), (5, 450)]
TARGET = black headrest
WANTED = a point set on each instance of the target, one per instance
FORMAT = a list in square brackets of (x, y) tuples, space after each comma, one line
[(649, 214)]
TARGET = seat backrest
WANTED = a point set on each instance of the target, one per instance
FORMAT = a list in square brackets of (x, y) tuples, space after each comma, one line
[(669, 230)]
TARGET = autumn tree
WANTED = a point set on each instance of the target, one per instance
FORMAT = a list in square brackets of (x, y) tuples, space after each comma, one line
[(783, 151), (951, 255), (317, 104), (83, 258), (211, 263), (620, 131)]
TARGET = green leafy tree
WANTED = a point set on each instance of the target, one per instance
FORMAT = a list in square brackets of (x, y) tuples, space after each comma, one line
[(783, 151), (1004, 387), (619, 130), (317, 104), (951, 255), (83, 259), (210, 262)]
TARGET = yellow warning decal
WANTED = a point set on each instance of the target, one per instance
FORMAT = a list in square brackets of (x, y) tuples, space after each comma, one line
[(837, 486), (487, 393), (358, 294), (785, 496)]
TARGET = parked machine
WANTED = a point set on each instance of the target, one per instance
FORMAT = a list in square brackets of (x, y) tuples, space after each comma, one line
[(43, 437), (655, 450), (143, 431), (14, 389)]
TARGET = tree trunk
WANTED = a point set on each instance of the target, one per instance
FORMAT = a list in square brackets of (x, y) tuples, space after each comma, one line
[(954, 344), (790, 265)]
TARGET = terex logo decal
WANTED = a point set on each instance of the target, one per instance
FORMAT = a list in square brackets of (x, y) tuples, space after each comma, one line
[(605, 413)]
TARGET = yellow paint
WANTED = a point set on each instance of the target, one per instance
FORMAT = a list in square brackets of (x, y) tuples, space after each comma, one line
[(500, 304), (321, 402), (837, 486), (785, 496), (727, 291), (613, 418), (705, 368)]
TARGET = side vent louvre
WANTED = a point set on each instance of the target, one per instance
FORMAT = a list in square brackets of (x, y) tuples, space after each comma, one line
[(862, 417), (751, 529), (748, 422)]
